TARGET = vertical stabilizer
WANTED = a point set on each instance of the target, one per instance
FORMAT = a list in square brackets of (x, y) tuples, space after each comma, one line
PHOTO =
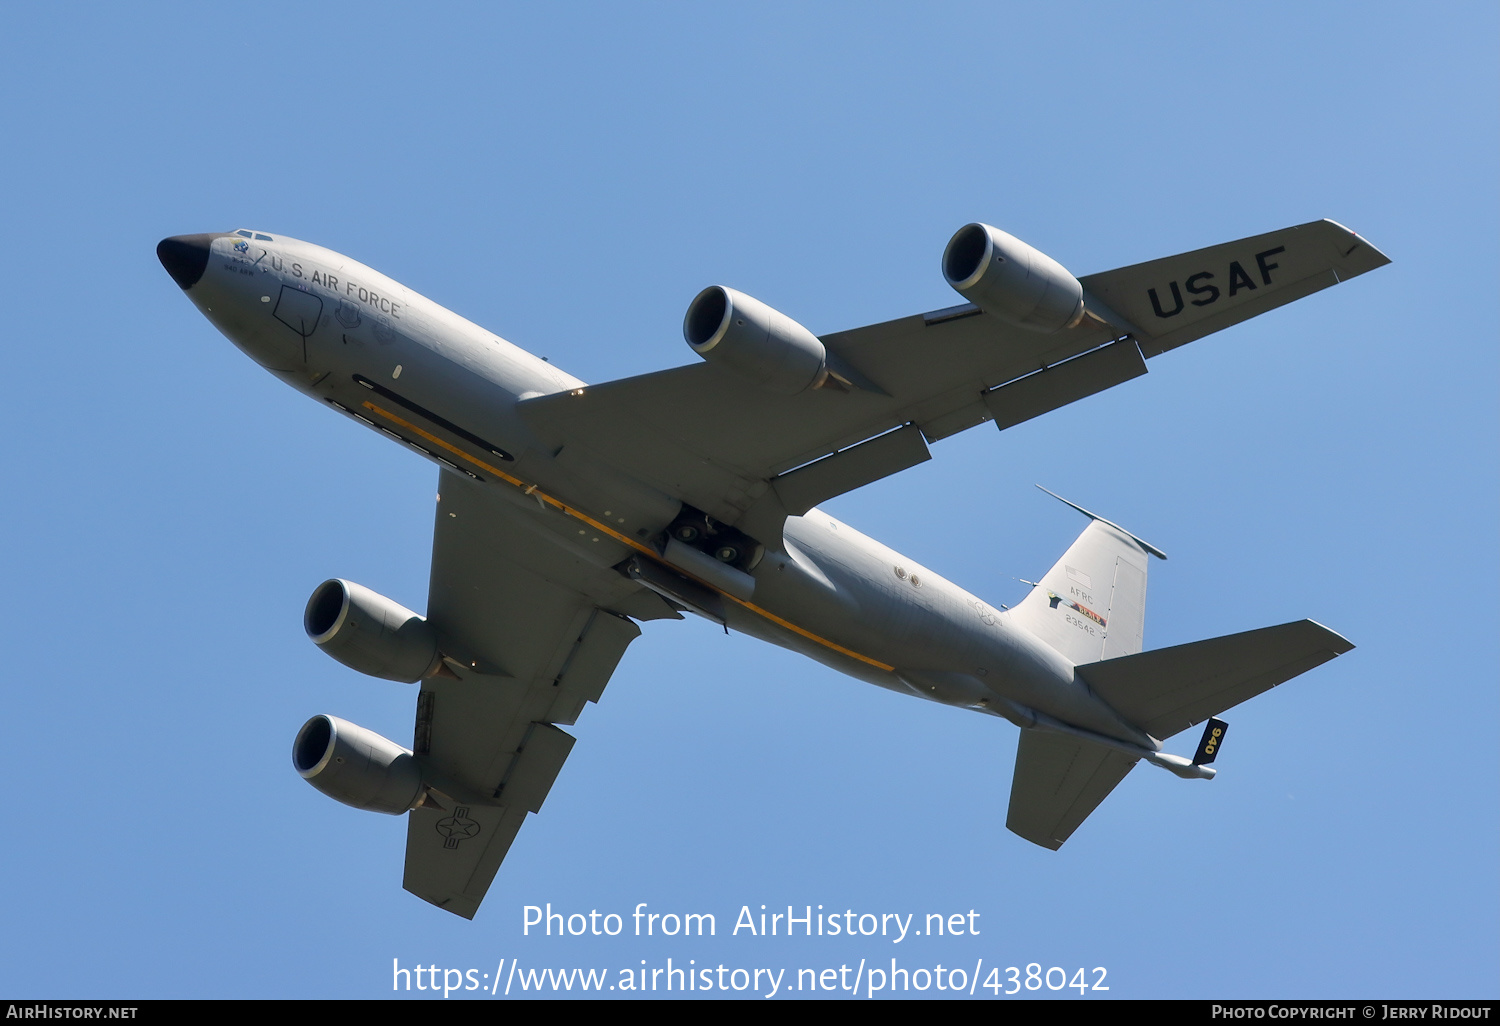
[(1092, 604)]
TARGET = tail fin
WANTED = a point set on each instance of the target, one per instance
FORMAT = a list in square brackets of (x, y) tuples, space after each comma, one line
[(1092, 604), (1172, 689)]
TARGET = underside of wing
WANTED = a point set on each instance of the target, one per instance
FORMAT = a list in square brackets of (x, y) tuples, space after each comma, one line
[(530, 638), (704, 434), (721, 441), (1059, 780), (1174, 300)]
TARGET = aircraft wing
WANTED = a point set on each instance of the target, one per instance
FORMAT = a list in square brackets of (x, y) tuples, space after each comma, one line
[(746, 456), (1059, 780), (530, 638)]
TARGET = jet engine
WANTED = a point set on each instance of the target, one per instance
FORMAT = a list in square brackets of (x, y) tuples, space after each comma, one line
[(1008, 279), (762, 345), (370, 633), (357, 766)]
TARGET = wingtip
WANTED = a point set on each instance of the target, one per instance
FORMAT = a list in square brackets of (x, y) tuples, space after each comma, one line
[(460, 905), (1357, 255), (1337, 643)]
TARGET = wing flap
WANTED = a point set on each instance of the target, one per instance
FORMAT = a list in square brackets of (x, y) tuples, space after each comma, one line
[(1059, 780), (796, 492), (591, 663), (1064, 383), (533, 771)]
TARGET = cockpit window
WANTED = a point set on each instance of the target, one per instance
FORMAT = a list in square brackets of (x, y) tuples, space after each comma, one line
[(263, 238), (248, 235)]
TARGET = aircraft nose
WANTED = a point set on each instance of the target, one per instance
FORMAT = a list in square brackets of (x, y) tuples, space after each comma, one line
[(185, 257)]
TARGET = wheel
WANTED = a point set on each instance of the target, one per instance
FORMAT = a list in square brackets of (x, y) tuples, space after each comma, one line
[(727, 553), (687, 533)]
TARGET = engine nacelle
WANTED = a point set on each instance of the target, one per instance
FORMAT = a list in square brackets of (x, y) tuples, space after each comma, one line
[(1008, 279), (357, 766), (368, 632), (762, 345)]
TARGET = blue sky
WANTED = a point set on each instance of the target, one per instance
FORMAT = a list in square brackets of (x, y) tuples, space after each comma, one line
[(569, 177)]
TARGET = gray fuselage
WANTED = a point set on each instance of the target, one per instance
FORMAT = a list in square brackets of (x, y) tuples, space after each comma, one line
[(349, 336)]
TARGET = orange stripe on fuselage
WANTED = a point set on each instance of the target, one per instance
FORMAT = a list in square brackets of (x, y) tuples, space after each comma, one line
[(604, 528)]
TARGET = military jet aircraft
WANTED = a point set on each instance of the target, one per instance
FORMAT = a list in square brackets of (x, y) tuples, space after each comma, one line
[(570, 513)]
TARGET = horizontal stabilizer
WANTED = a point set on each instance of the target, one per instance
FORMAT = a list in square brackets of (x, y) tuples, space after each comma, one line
[(1059, 780), (1171, 689)]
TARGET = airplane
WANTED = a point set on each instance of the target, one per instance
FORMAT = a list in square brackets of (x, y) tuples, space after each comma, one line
[(569, 514)]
